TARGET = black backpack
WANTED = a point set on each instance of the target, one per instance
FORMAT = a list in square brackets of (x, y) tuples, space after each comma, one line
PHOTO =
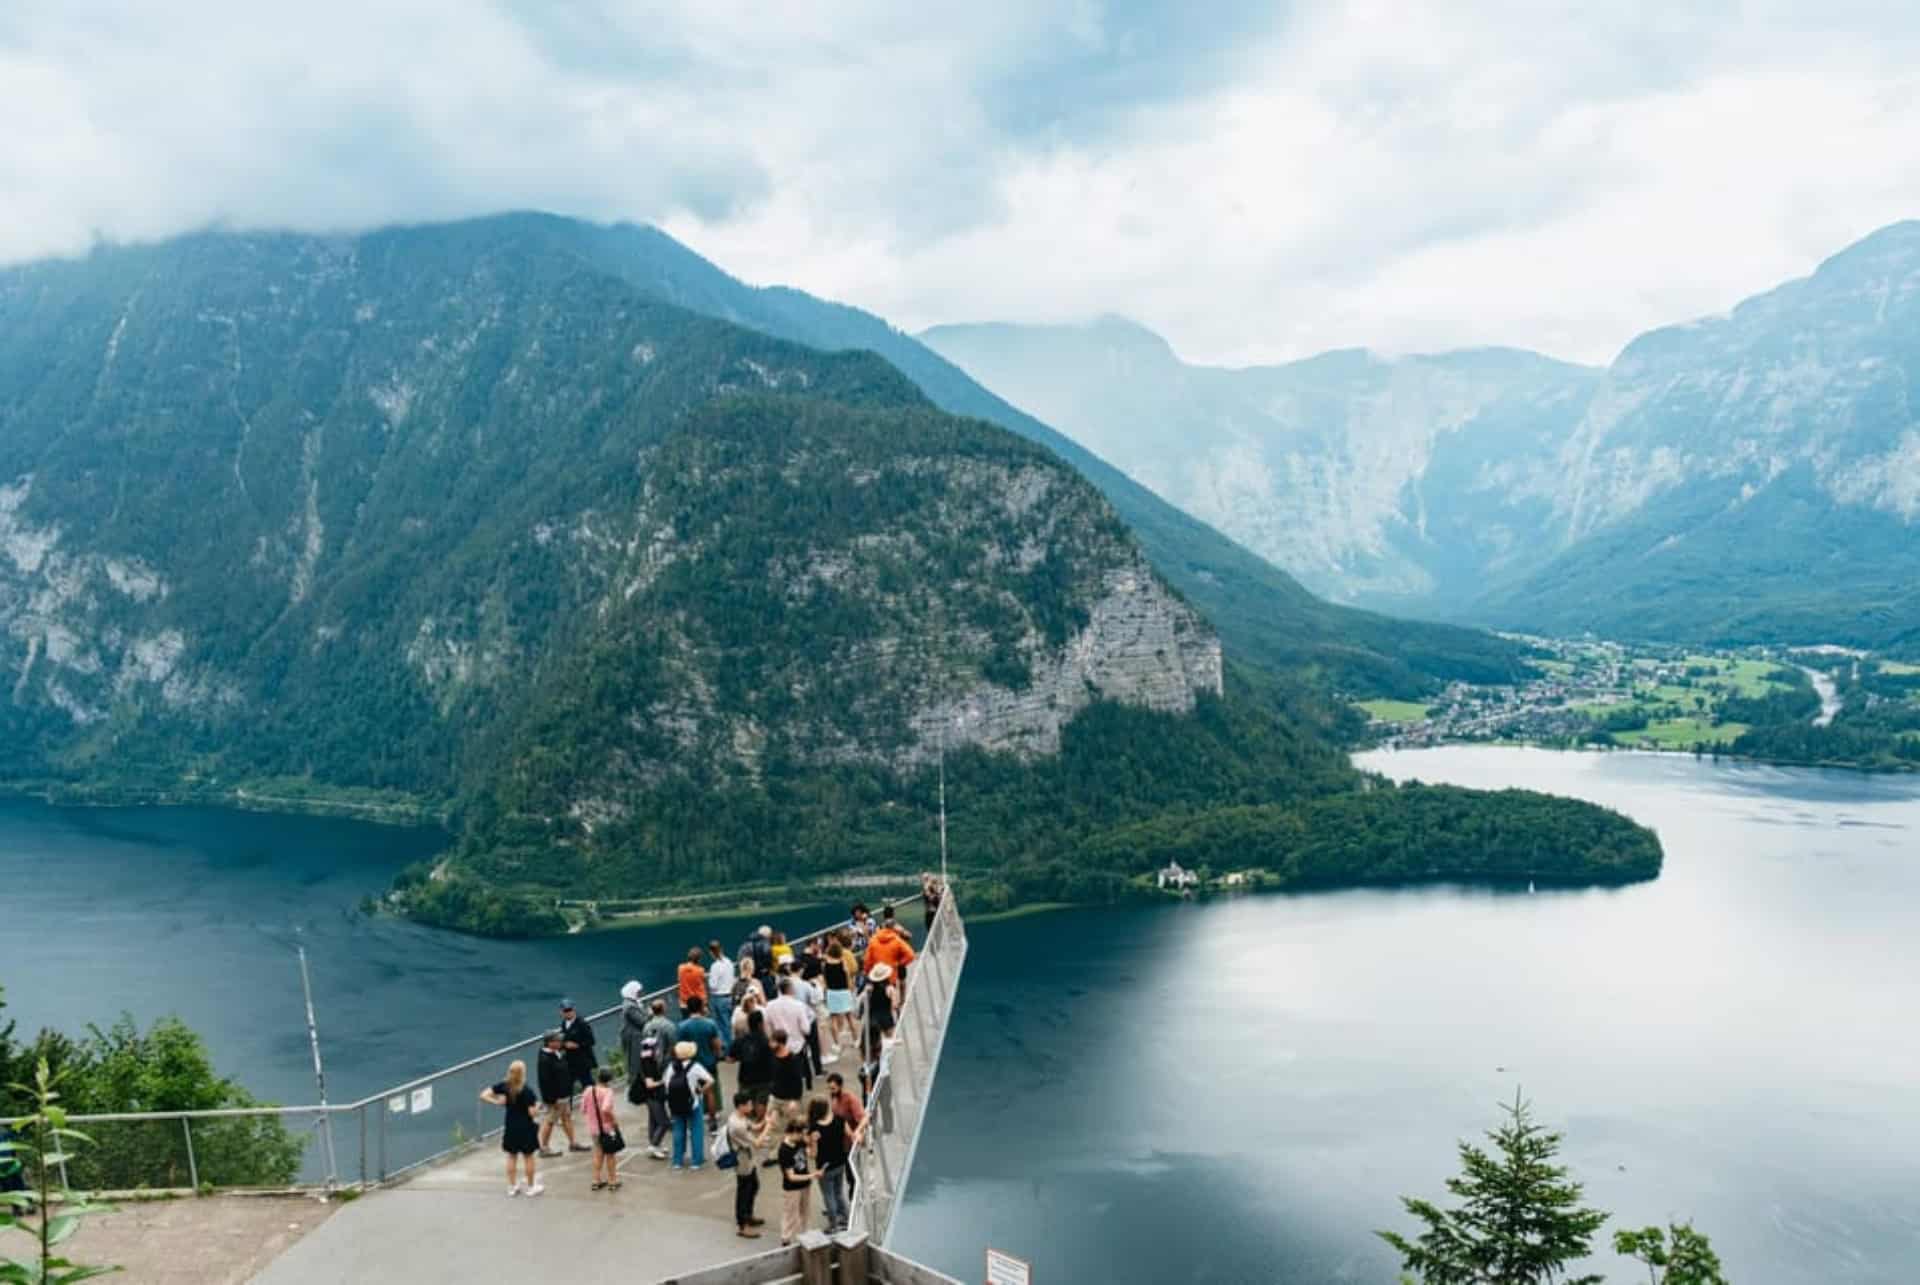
[(680, 1089)]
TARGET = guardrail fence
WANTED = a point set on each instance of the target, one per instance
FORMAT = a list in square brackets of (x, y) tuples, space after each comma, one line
[(896, 1104), (390, 1133)]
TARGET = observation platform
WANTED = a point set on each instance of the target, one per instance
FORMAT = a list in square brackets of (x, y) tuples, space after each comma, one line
[(450, 1218)]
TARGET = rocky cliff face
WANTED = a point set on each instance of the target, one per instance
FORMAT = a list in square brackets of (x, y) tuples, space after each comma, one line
[(1371, 479), (1748, 477), (449, 513)]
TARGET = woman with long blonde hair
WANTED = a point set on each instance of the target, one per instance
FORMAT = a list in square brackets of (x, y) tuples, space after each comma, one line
[(521, 1138)]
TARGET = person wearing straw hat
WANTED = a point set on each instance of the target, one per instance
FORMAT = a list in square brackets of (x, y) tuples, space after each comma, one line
[(686, 1084)]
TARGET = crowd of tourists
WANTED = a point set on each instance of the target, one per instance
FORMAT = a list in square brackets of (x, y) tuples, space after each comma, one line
[(800, 1030)]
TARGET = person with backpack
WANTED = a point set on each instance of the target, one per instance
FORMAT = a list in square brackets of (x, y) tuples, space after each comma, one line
[(746, 1133), (596, 1108), (759, 948), (657, 1039), (686, 1085)]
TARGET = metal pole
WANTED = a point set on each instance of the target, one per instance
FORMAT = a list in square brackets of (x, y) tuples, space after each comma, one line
[(193, 1170), (943, 807), (319, 1072)]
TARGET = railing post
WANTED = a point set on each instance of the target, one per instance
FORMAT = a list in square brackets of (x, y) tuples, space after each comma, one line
[(193, 1170), (361, 1111), (385, 1111)]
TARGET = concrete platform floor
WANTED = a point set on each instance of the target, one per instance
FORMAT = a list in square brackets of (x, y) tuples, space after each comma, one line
[(455, 1222)]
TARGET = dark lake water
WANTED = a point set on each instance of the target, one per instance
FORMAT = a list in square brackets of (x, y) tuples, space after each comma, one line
[(1230, 1092)]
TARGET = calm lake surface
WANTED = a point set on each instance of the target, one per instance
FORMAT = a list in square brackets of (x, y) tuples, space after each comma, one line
[(1229, 1092)]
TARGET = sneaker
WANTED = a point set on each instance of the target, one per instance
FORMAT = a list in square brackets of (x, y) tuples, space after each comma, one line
[(577, 1147), (514, 1190), (551, 1155), (756, 1222), (696, 1168), (747, 1233), (536, 1189), (658, 1153), (679, 1168)]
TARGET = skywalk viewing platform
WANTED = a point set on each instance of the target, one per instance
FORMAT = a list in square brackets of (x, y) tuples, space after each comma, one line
[(420, 1190)]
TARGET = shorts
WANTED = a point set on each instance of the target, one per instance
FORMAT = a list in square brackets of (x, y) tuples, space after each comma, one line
[(839, 1003), (561, 1110)]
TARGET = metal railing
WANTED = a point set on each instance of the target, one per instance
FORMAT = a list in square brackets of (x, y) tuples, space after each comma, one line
[(897, 1101), (380, 1137)]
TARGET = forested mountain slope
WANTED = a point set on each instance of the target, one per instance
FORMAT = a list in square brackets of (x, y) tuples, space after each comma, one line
[(648, 597), (1265, 616)]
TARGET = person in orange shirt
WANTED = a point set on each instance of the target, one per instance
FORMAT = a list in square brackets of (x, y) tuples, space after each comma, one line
[(693, 980), (889, 947)]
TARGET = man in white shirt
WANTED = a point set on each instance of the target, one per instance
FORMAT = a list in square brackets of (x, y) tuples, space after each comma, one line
[(720, 979), (793, 1015)]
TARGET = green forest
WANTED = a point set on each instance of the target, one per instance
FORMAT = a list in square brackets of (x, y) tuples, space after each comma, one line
[(124, 1069)]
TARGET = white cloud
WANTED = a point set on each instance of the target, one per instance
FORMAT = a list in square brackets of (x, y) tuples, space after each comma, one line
[(1361, 173)]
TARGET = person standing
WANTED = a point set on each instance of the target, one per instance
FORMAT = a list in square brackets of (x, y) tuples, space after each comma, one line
[(789, 1078), (880, 1020), (520, 1140), (656, 1050), (932, 888), (837, 971), (709, 1047), (827, 1138), (720, 978), (556, 1091), (836, 1182), (782, 952), (860, 928), (797, 1177), (754, 1053), (686, 1084), (576, 1037), (747, 985), (597, 1109), (633, 1033), (791, 1016), (693, 980), (759, 948), (746, 1134), (811, 992), (890, 947)]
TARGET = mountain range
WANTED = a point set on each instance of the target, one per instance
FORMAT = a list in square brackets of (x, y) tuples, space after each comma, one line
[(1747, 478), (514, 520)]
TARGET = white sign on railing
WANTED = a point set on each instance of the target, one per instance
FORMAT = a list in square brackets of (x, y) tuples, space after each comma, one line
[(1005, 1269)]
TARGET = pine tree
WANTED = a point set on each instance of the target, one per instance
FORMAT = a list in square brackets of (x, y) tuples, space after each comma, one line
[(1520, 1220), (1676, 1255)]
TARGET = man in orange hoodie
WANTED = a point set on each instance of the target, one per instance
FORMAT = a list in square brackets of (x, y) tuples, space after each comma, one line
[(891, 948)]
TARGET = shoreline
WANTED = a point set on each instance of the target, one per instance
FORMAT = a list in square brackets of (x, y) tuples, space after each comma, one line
[(397, 813), (1722, 756)]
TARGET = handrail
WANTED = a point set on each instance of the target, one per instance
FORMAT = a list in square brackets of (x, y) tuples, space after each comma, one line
[(374, 1099)]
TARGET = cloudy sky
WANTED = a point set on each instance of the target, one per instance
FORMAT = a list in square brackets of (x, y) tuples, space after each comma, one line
[(1254, 180)]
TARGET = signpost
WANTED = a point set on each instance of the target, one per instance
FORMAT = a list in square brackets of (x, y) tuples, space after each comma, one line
[(1005, 1269)]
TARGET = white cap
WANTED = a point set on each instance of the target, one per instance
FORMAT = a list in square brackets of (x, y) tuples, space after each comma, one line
[(630, 991)]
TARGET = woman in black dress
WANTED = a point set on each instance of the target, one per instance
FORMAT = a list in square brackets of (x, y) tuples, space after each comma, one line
[(521, 1139)]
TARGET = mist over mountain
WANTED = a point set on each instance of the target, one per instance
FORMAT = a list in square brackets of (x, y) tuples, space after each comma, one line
[(1753, 477)]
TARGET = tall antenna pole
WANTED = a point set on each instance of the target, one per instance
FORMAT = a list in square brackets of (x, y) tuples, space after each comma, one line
[(943, 805), (319, 1072)]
